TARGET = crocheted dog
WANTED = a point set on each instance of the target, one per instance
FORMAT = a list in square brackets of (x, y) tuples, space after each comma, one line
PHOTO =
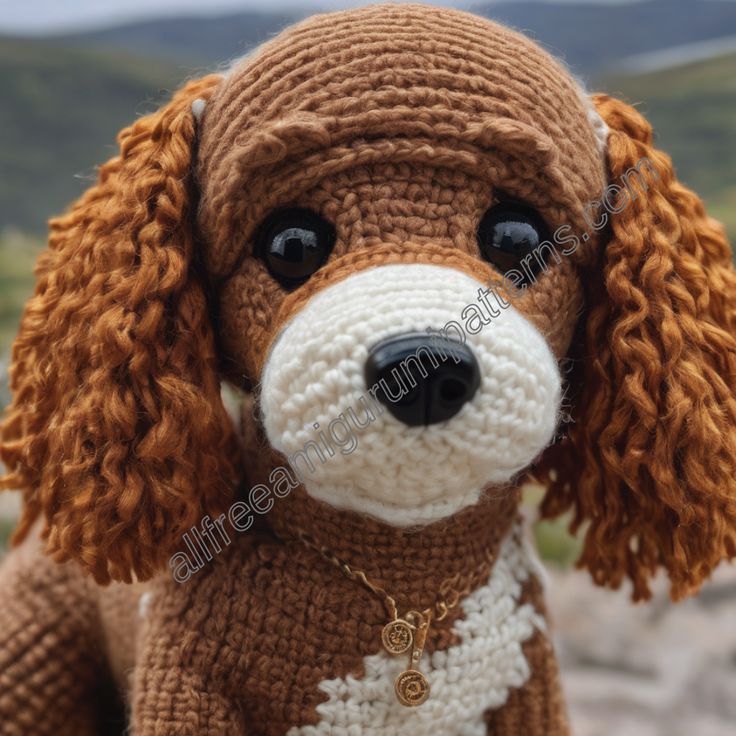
[(421, 246)]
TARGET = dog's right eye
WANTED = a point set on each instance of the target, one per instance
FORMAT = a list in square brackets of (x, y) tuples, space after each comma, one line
[(294, 243)]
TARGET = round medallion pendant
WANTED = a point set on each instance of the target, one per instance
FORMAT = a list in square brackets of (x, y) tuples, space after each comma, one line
[(412, 688), (397, 636)]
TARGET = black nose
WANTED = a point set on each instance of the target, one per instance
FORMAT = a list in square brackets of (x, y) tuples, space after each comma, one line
[(420, 378)]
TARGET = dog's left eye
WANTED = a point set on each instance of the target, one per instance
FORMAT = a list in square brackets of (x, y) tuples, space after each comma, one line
[(294, 243), (508, 233)]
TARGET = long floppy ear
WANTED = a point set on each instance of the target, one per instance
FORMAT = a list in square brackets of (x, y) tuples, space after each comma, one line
[(117, 435), (650, 463)]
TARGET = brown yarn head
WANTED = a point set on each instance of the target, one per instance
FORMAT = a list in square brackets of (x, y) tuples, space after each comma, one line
[(649, 469), (401, 125), (117, 434), (391, 84)]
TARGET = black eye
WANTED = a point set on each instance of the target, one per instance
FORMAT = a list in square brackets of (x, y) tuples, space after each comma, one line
[(508, 233), (294, 243)]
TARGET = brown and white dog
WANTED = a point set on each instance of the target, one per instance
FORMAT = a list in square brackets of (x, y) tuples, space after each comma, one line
[(314, 226)]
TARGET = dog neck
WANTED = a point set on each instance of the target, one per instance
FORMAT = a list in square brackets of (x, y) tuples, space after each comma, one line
[(409, 563)]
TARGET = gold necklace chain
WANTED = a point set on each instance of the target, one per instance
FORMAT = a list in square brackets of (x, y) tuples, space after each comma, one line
[(409, 632)]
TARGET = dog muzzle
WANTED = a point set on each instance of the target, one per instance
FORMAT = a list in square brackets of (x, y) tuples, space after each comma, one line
[(388, 401)]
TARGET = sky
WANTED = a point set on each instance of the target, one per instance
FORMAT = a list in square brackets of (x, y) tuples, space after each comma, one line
[(39, 16)]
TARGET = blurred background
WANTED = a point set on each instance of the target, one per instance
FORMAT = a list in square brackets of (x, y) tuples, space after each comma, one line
[(73, 73)]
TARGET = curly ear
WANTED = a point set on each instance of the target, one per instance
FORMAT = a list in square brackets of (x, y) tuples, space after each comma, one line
[(650, 463), (117, 435)]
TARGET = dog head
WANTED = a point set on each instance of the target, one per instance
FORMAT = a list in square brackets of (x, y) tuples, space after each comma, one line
[(392, 223)]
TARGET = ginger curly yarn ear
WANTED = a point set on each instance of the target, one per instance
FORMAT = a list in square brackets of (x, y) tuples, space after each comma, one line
[(117, 435), (650, 464)]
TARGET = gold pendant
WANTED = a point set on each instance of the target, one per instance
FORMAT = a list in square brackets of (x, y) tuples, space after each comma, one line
[(397, 636), (411, 686)]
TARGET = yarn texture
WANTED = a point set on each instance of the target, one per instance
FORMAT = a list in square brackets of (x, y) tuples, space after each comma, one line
[(606, 364), (650, 459), (116, 432)]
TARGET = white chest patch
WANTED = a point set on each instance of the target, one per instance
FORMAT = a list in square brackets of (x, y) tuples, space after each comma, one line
[(466, 680)]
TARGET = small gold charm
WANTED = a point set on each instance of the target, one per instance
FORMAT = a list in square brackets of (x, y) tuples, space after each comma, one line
[(412, 688), (397, 636)]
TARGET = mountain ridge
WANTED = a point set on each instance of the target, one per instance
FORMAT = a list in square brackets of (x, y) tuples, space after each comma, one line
[(590, 37)]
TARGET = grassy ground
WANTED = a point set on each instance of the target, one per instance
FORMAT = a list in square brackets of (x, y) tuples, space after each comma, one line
[(17, 256), (554, 542), (723, 208), (6, 529)]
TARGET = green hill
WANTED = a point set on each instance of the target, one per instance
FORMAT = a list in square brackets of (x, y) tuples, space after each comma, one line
[(208, 40), (61, 109), (693, 111), (591, 36)]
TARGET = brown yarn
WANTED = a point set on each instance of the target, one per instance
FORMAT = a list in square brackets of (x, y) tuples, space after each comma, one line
[(401, 125), (651, 462), (54, 677), (117, 434), (400, 84)]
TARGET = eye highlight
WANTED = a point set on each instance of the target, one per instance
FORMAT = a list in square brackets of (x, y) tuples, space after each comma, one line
[(507, 233), (294, 243)]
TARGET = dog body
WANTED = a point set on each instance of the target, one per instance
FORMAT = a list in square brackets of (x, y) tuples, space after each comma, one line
[(236, 651), (299, 652), (412, 240)]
